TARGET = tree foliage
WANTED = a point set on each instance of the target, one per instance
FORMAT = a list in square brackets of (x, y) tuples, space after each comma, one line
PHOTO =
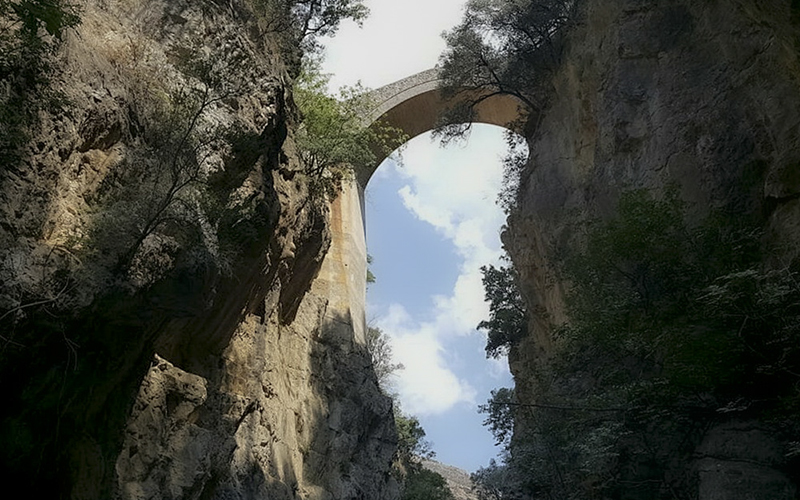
[(380, 351), (30, 34), (638, 291), (508, 47), (167, 205), (508, 317), (302, 22), (672, 326), (493, 482), (514, 163), (424, 484), (333, 138), (499, 410), (418, 483), (411, 443)]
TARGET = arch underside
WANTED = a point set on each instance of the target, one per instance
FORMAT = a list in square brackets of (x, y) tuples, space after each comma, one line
[(414, 105)]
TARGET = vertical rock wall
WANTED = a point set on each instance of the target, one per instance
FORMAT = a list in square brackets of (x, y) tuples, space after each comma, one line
[(192, 378), (703, 95)]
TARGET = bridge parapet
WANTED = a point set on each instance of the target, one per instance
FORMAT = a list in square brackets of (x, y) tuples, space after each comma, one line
[(389, 96)]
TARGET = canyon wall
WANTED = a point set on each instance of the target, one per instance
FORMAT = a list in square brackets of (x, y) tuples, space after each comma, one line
[(704, 96), (170, 326), (176, 343)]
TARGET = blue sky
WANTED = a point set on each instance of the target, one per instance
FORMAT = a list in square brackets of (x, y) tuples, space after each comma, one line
[(431, 223)]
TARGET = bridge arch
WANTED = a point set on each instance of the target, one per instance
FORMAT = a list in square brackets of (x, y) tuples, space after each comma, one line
[(415, 103)]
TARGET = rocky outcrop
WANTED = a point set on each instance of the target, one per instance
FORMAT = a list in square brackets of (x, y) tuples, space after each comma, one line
[(171, 343), (458, 480), (702, 95), (737, 459)]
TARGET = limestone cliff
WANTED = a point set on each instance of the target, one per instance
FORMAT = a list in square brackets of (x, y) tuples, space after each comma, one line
[(705, 95), (162, 332), (458, 480)]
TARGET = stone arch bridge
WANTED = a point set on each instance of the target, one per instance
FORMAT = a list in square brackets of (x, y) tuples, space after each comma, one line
[(412, 105)]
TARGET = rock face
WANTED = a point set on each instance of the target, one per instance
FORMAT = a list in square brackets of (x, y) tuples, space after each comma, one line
[(173, 344), (702, 95), (458, 480), (737, 459)]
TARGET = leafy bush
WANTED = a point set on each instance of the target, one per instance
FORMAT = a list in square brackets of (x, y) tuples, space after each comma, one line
[(151, 204), (500, 414), (424, 484), (333, 138), (672, 327), (418, 483), (30, 34), (411, 443), (638, 291), (302, 22), (508, 317), (380, 351), (503, 47), (514, 163)]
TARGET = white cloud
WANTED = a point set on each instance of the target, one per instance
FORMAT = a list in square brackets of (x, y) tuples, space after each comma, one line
[(426, 385), (454, 191), (398, 39)]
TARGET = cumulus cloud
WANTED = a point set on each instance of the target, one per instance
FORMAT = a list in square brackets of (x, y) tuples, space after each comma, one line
[(426, 384), (454, 191), (397, 40)]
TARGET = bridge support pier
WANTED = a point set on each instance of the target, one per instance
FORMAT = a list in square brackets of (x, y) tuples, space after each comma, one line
[(344, 270)]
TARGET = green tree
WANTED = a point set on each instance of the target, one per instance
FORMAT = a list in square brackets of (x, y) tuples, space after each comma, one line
[(499, 410), (638, 286), (508, 47), (418, 483), (30, 34), (153, 202), (424, 484), (411, 443), (303, 22), (333, 138), (493, 482), (514, 163), (380, 351), (508, 318)]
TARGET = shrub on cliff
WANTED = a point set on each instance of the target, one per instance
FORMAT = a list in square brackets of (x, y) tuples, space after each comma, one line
[(508, 316), (672, 326), (424, 484), (503, 47), (30, 33), (333, 137), (380, 351), (302, 22), (418, 483)]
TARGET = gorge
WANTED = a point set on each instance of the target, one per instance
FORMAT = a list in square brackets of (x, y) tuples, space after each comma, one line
[(182, 315)]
